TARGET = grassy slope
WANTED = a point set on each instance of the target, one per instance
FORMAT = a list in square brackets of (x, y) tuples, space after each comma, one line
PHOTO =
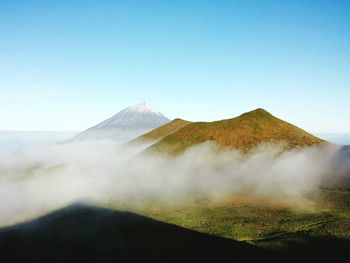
[(82, 233), (264, 222), (243, 132), (161, 132), (271, 231)]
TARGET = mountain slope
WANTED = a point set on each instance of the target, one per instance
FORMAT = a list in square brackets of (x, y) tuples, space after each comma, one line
[(243, 132), (126, 124), (162, 131), (95, 234)]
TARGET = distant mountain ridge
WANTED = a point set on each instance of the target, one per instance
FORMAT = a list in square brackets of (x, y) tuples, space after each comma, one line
[(243, 132), (126, 124), (161, 132)]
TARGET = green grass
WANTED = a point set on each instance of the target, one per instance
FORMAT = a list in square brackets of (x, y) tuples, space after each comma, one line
[(264, 222), (243, 228), (160, 132), (243, 132)]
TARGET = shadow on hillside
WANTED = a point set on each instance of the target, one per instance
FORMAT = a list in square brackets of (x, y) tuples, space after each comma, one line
[(304, 247), (92, 234)]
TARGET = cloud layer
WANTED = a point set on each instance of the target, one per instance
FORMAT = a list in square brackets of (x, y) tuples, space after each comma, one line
[(36, 181)]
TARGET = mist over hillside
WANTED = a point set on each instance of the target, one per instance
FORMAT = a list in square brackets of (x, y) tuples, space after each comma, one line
[(236, 161), (263, 156), (39, 180)]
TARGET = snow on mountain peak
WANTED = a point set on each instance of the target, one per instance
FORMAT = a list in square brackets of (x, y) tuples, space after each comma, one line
[(139, 115), (126, 124), (143, 108)]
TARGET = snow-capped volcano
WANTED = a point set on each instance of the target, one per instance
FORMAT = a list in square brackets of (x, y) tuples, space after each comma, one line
[(139, 115), (126, 124)]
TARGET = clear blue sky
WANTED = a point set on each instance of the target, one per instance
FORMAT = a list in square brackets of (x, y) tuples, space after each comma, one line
[(66, 65)]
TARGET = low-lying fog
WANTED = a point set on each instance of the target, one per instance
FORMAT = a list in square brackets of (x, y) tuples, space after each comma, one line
[(339, 138), (37, 180), (17, 140)]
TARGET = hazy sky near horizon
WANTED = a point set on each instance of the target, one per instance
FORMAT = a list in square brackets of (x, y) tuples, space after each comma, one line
[(67, 65)]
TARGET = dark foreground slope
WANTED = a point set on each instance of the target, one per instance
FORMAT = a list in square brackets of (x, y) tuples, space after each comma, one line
[(89, 234), (99, 235), (243, 132)]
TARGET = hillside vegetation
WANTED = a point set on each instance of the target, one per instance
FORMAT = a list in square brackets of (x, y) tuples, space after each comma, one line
[(268, 222), (162, 131), (243, 132)]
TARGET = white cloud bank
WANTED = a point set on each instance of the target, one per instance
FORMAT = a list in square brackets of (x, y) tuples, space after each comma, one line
[(39, 180)]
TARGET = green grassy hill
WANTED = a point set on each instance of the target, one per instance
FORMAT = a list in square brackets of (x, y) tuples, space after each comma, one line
[(161, 132), (243, 132), (305, 228), (83, 233), (238, 229)]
